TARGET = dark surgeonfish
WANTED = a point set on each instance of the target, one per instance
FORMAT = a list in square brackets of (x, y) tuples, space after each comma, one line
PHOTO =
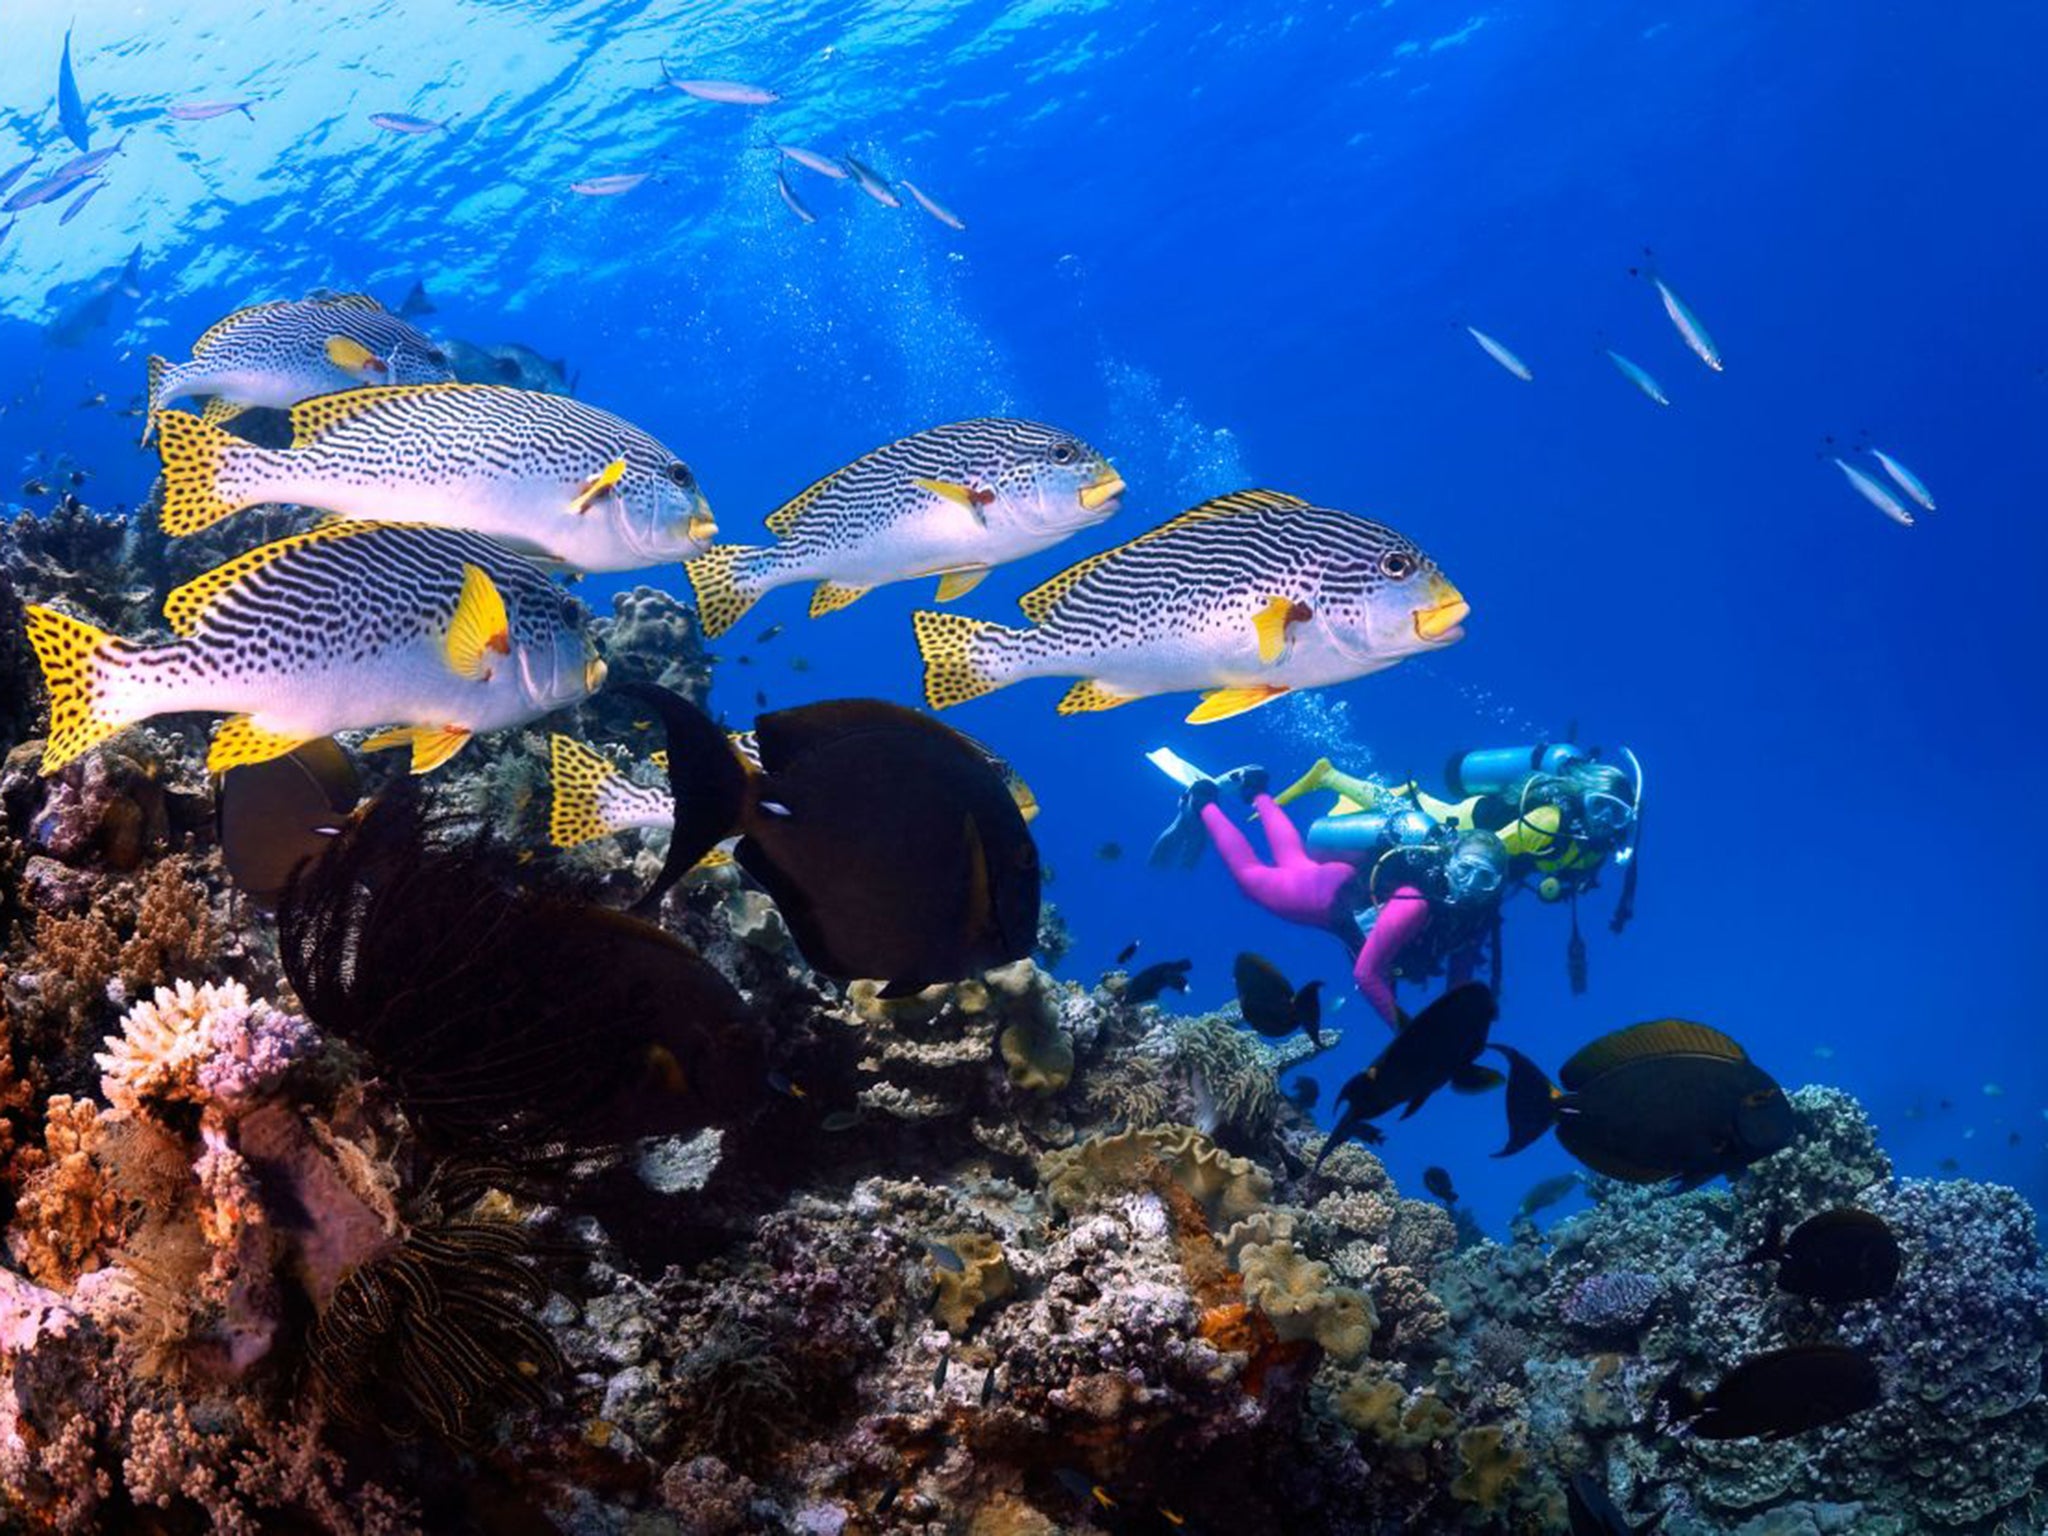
[(1270, 1003), (1779, 1394), (1155, 979), (1841, 1255), (1438, 1182), (1438, 1048), (274, 816), (1594, 1513), (890, 843), (1663, 1100)]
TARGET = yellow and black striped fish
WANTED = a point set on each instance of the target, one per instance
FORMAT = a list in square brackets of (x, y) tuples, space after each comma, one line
[(1245, 597), (432, 633), (542, 473), (951, 501), (280, 353)]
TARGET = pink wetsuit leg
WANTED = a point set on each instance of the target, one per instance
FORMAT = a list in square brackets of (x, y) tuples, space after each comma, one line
[(1294, 887), (1401, 917)]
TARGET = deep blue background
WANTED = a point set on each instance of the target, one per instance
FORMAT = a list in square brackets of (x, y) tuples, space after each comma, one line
[(1236, 247)]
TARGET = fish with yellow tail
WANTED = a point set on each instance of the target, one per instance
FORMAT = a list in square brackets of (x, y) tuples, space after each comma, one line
[(544, 474), (433, 634), (1243, 598), (280, 353), (952, 501)]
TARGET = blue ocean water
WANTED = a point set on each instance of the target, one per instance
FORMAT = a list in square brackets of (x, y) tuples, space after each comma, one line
[(1237, 245)]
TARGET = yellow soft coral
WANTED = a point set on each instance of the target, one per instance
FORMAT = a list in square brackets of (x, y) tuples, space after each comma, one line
[(1491, 1467), (1227, 1188), (983, 1277), (1298, 1294)]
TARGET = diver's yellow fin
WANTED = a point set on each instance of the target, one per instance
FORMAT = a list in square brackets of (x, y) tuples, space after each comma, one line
[(959, 583), (70, 652), (953, 491), (479, 631), (946, 643), (220, 411), (1317, 777), (1270, 625), (240, 741), (1447, 811), (830, 597), (577, 775), (1344, 805), (194, 453), (1087, 696), (1222, 703), (597, 485), (352, 357), (432, 745), (715, 581)]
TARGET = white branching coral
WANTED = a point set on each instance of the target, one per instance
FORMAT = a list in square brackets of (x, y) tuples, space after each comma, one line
[(209, 1045)]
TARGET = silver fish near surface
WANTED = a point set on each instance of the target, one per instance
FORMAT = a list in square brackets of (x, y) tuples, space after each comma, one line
[(405, 122), (1500, 354), (811, 160), (1636, 375), (92, 189), (790, 200), (609, 186), (207, 111), (865, 178), (1905, 479), (61, 180), (14, 173), (935, 208), (731, 93), (1875, 494)]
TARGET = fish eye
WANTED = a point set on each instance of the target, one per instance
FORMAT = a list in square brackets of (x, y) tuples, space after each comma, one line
[(1397, 565), (1064, 453), (679, 472)]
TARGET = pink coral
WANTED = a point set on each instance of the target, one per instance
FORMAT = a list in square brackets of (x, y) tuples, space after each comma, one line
[(209, 1045)]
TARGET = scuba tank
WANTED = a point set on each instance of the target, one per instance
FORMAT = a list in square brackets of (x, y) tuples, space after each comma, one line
[(1491, 770), (1363, 837)]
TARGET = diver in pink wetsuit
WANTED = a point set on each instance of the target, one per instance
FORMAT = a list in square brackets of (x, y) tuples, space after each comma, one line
[(1315, 893)]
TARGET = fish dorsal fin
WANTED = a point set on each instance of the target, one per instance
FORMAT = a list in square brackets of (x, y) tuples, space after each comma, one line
[(1039, 603), (1641, 1042), (235, 317), (312, 419), (187, 605), (349, 301), (783, 520)]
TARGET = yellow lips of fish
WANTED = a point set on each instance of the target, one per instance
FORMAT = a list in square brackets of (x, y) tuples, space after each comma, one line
[(1107, 489), (593, 674), (702, 528), (1438, 623)]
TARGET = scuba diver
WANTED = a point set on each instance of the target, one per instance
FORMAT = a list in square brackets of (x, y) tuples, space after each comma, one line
[(1411, 883)]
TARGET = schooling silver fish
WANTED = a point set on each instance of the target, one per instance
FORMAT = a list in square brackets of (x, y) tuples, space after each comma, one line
[(609, 186), (872, 184), (733, 93), (206, 111), (91, 191), (1635, 374), (13, 174), (1501, 354), (405, 122), (811, 160), (1905, 479), (790, 200), (1686, 322), (1875, 494), (935, 208)]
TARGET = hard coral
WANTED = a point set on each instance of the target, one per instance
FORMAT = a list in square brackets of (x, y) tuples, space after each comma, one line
[(208, 1045)]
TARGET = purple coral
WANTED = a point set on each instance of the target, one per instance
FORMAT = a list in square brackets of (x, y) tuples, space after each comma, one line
[(1613, 1302)]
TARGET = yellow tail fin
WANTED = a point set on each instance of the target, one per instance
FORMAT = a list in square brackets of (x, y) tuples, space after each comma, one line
[(715, 578), (70, 651), (946, 642), (193, 454), (578, 775)]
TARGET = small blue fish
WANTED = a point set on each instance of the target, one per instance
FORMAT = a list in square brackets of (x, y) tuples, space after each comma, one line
[(405, 122), (1905, 479), (91, 191), (1636, 376), (70, 106)]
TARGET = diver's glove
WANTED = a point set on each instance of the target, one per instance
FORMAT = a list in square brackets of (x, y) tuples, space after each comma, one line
[(1180, 845)]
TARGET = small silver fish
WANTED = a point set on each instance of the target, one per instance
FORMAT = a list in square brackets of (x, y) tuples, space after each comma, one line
[(60, 182), (935, 208), (790, 200), (809, 159), (609, 186), (873, 185), (1687, 323), (1875, 494), (1501, 354), (206, 111), (14, 173), (731, 93), (91, 191), (405, 122), (1905, 479), (1635, 375)]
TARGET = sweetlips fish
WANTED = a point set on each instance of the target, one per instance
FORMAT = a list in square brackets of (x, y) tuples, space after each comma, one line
[(543, 473), (289, 350), (951, 501), (434, 633), (1248, 597)]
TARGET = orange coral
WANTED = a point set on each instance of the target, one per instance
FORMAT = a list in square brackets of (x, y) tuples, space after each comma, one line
[(75, 959), (67, 1217), (173, 928)]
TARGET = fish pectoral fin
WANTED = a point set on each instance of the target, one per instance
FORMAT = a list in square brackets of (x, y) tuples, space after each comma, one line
[(959, 583), (1089, 696), (1473, 1078), (1270, 625), (962, 496), (220, 410), (351, 356), (597, 486), (479, 629), (830, 597), (240, 741), (432, 745), (1222, 703)]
